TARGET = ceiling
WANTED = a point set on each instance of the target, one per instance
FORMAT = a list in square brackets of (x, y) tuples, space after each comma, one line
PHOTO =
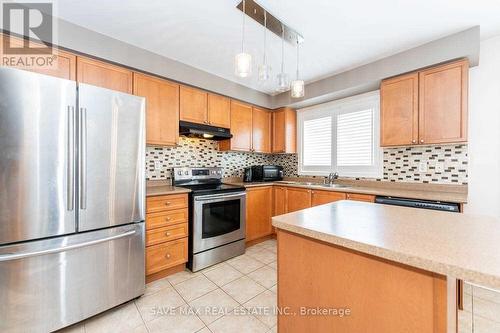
[(339, 35)]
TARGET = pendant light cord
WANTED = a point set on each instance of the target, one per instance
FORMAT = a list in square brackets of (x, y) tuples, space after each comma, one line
[(265, 36), (297, 73), (282, 48), (243, 29)]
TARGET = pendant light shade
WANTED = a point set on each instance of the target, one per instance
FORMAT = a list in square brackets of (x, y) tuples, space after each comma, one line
[(264, 68), (282, 78), (298, 89), (243, 64), (243, 61)]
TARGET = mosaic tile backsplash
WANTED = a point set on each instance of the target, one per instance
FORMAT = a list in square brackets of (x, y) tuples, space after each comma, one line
[(400, 164)]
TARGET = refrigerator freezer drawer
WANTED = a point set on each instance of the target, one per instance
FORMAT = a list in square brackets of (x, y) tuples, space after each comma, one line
[(50, 284)]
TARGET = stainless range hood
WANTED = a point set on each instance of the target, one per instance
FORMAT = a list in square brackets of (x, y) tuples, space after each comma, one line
[(204, 131)]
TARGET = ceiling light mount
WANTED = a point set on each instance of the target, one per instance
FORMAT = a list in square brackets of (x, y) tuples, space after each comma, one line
[(270, 22)]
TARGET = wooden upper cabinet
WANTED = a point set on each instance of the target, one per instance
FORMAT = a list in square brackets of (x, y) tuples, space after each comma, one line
[(279, 200), (64, 66), (103, 75), (241, 128), (162, 109), (426, 107), (193, 105), (261, 130), (297, 199), (219, 111), (284, 130), (323, 197), (443, 103), (399, 111), (259, 211)]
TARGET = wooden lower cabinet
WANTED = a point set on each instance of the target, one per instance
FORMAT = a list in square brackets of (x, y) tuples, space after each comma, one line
[(297, 199), (323, 197), (258, 212), (381, 296), (279, 200), (166, 234), (166, 255), (360, 197)]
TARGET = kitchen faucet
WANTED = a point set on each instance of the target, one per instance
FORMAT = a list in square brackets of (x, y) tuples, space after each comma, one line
[(332, 177)]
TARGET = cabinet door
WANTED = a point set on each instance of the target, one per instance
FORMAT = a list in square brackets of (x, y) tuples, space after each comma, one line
[(284, 131), (103, 75), (193, 105), (258, 212), (162, 109), (323, 197), (64, 69), (443, 103), (279, 200), (261, 130), (399, 111), (297, 199), (241, 128), (361, 197), (219, 111)]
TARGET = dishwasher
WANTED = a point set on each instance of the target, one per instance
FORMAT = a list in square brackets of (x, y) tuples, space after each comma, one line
[(414, 203)]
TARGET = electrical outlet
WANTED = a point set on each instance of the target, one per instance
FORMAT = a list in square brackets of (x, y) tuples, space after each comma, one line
[(422, 167), (157, 165), (439, 167)]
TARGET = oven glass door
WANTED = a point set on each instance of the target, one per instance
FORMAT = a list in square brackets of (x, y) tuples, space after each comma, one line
[(218, 219)]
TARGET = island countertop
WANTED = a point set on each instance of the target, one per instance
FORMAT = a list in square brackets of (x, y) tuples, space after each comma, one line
[(459, 245)]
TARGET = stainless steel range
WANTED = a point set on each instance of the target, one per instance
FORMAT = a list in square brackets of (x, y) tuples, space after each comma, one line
[(216, 216)]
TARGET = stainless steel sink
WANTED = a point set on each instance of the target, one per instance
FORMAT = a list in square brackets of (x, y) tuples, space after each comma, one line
[(333, 185)]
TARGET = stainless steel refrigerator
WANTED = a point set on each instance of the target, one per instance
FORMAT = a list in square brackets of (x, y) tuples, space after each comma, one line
[(72, 197)]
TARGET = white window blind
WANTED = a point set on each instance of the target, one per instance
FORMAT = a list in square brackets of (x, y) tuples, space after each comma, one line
[(341, 136), (355, 138), (317, 142)]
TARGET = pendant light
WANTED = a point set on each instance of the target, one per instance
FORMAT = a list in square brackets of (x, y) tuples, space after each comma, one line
[(264, 68), (282, 78), (243, 61), (297, 89)]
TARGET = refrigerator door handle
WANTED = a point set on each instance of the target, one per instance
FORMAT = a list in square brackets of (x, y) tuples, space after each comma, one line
[(83, 158), (21, 255), (71, 158)]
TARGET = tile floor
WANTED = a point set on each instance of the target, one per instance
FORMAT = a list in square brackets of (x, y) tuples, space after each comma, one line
[(238, 295)]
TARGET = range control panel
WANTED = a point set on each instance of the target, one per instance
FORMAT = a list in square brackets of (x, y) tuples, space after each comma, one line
[(197, 173)]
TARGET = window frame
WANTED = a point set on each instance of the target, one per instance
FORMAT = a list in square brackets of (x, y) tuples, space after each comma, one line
[(369, 100)]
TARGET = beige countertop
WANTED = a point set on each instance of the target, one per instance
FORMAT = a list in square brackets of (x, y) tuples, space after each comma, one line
[(447, 193), (459, 245), (159, 187)]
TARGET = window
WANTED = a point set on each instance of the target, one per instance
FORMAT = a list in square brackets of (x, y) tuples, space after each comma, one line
[(341, 136)]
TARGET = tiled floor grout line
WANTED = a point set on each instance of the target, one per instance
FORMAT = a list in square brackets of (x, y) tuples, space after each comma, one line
[(140, 315)]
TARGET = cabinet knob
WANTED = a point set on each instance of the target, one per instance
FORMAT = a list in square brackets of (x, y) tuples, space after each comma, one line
[(422, 141), (167, 234), (414, 141), (168, 218), (167, 256), (167, 203)]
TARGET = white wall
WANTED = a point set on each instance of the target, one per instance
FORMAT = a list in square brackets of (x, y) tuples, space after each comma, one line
[(484, 132)]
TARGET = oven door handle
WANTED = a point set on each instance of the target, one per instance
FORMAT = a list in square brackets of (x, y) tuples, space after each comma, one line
[(219, 196)]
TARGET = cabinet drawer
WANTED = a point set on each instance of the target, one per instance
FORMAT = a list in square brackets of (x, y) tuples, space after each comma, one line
[(361, 197), (163, 219), (166, 202), (166, 255), (165, 234)]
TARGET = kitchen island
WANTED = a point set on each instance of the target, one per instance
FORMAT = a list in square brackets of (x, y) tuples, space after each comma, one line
[(362, 267)]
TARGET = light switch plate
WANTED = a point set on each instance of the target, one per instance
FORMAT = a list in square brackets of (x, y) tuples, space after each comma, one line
[(157, 165), (422, 167), (439, 167)]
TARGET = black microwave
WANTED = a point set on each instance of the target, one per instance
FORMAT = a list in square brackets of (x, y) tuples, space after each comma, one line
[(263, 173)]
